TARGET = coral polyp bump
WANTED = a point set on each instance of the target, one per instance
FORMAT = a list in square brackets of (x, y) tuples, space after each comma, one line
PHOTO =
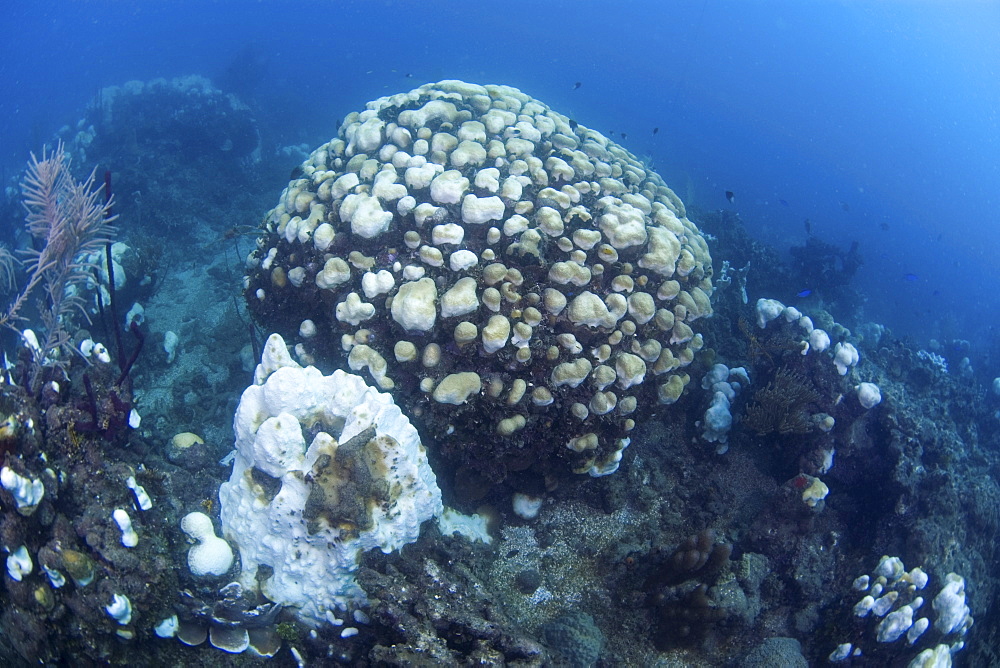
[(519, 282)]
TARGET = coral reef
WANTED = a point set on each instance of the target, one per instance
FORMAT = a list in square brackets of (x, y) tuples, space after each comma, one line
[(160, 138), (845, 442), (893, 603)]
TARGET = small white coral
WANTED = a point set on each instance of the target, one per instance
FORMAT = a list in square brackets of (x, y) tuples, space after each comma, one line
[(819, 340), (353, 310), (27, 492), (767, 310), (129, 537), (211, 555), (949, 604), (120, 609), (868, 394), (19, 564), (845, 356)]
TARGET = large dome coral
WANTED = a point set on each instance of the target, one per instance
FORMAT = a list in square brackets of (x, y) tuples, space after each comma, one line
[(524, 286)]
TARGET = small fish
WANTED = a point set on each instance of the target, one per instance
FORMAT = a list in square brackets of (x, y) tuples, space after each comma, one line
[(809, 226), (911, 277), (804, 293), (655, 130), (577, 85), (884, 226), (845, 206), (783, 202), (573, 125), (731, 196), (611, 133), (624, 136)]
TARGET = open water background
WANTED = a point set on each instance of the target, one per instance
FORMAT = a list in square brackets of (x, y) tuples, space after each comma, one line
[(877, 121)]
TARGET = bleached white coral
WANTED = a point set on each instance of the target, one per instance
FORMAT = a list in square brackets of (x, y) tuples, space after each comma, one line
[(362, 482)]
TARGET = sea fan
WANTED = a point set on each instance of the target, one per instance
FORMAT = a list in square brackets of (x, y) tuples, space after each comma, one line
[(69, 222)]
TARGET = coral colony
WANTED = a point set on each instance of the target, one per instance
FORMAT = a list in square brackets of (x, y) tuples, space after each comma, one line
[(484, 254)]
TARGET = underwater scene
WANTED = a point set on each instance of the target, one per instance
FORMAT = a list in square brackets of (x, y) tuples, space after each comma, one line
[(535, 334)]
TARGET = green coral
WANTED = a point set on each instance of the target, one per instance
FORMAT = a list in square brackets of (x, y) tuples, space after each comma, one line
[(288, 631)]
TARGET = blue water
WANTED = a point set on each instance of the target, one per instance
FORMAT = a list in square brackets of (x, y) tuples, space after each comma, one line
[(889, 108)]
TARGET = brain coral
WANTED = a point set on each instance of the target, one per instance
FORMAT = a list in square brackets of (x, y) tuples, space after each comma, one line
[(521, 284)]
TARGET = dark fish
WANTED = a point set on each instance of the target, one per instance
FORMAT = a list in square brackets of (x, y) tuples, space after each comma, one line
[(809, 226), (611, 133), (624, 136), (655, 130), (577, 85), (885, 227), (573, 125), (782, 202), (845, 206), (730, 196), (408, 75), (804, 293), (910, 277)]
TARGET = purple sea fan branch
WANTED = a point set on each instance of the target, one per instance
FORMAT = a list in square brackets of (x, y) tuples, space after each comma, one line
[(69, 222), (8, 265)]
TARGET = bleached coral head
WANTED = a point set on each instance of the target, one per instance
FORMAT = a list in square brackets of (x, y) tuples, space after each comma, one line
[(309, 509)]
